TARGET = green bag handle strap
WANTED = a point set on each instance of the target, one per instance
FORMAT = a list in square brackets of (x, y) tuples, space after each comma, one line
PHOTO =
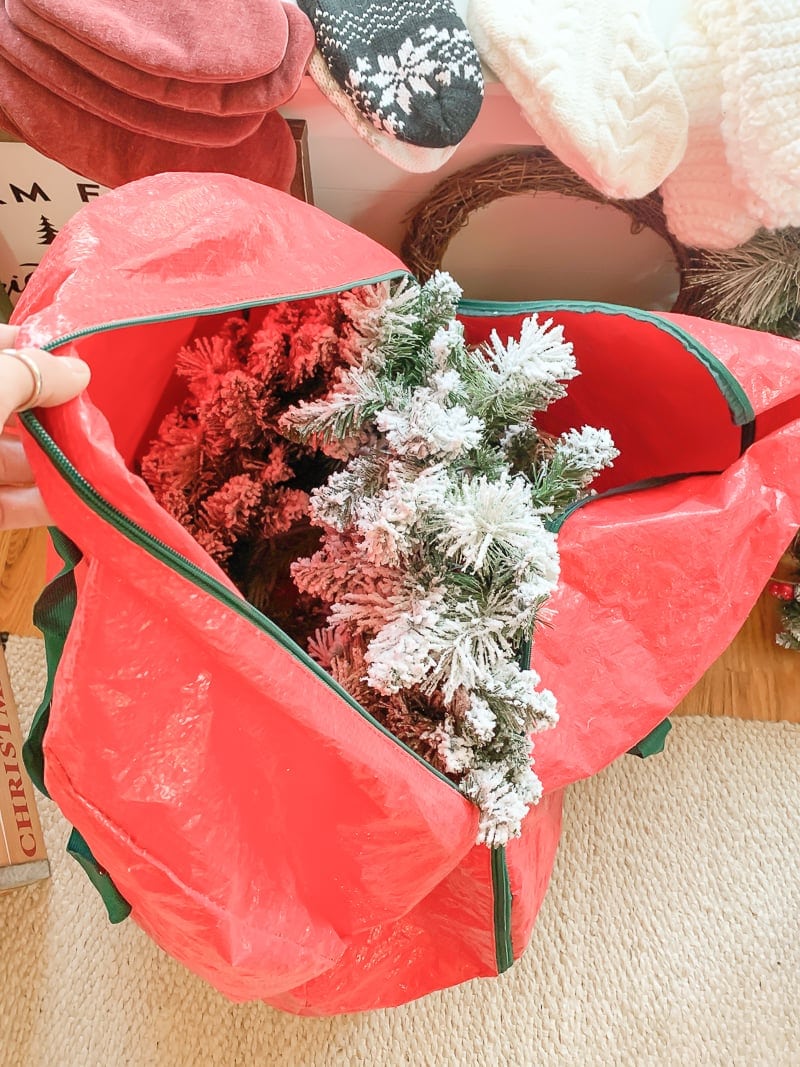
[(653, 743), (53, 615), (116, 905)]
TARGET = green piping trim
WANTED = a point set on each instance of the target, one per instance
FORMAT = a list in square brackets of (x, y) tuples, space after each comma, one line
[(555, 522), (740, 407), (224, 309), (501, 889)]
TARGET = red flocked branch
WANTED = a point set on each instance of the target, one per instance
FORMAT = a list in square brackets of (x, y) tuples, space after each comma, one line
[(219, 465)]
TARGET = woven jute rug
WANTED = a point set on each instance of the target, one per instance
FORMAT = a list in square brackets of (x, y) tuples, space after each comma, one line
[(670, 935)]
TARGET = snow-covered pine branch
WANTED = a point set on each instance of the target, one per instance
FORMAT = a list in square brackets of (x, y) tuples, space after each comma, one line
[(435, 563)]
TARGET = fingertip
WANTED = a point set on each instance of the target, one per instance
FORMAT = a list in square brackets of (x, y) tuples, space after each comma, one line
[(80, 370)]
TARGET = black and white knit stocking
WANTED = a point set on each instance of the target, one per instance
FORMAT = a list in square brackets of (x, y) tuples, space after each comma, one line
[(409, 66)]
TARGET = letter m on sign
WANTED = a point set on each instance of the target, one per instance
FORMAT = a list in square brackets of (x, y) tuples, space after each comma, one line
[(36, 193)]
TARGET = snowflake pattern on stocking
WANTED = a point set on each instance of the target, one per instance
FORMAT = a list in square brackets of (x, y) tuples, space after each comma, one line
[(408, 66), (387, 89)]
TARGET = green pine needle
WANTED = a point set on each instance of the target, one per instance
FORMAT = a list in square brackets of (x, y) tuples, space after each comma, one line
[(756, 285)]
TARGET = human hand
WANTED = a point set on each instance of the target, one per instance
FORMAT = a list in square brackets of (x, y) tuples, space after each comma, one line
[(32, 378)]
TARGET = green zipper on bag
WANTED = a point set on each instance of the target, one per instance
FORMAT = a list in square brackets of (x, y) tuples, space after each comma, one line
[(501, 884), (222, 309), (740, 407), (503, 900), (554, 522)]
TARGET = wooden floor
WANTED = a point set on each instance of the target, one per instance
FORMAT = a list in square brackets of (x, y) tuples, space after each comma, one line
[(754, 678)]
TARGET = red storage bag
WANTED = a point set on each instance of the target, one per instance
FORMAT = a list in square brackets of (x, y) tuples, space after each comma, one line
[(261, 826)]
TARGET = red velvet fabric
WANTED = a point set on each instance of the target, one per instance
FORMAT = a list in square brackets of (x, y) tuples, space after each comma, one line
[(212, 98), (52, 71), (222, 42), (7, 125), (112, 156)]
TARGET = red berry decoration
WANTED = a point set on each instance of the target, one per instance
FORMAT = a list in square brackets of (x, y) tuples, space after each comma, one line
[(783, 590)]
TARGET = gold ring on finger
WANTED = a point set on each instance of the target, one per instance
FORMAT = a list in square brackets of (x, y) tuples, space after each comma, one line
[(36, 374)]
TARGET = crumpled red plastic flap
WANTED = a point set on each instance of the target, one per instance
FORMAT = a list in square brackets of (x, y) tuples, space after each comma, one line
[(766, 366), (178, 241), (654, 585), (212, 774), (446, 939)]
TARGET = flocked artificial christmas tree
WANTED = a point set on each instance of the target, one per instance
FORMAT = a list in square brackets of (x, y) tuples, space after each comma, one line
[(430, 488), (435, 562)]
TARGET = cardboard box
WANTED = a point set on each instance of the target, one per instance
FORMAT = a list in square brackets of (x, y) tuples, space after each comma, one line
[(37, 196), (22, 853)]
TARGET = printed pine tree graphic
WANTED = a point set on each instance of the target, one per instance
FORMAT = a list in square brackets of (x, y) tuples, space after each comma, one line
[(47, 231)]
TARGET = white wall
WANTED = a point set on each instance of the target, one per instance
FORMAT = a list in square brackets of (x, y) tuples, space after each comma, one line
[(544, 247), (356, 184)]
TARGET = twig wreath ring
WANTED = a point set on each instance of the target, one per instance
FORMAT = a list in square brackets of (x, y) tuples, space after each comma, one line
[(448, 206), (36, 375)]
